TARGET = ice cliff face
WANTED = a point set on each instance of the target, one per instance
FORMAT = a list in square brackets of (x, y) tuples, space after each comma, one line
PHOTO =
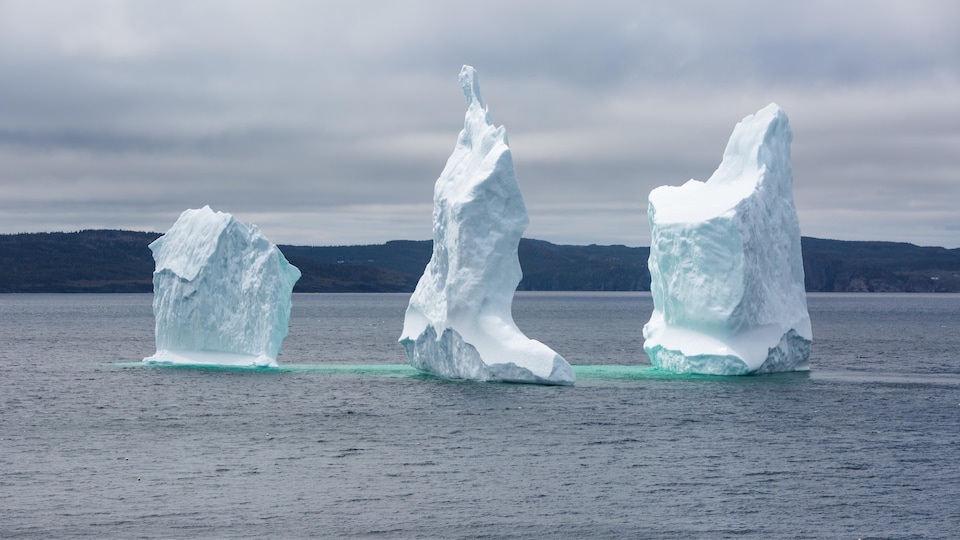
[(725, 264), (221, 292), (459, 323)]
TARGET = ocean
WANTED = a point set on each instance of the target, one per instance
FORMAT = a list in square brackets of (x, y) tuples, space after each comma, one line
[(345, 441)]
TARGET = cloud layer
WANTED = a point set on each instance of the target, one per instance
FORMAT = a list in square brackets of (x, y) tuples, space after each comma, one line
[(328, 122)]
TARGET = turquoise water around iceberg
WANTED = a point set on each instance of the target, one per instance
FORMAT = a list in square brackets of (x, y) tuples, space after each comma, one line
[(405, 370), (586, 375), (381, 370)]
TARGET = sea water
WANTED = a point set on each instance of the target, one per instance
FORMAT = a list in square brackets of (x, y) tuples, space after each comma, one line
[(346, 441)]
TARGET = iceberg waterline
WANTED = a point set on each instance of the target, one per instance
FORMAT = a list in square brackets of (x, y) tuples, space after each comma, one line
[(725, 262), (603, 372), (458, 323), (222, 293)]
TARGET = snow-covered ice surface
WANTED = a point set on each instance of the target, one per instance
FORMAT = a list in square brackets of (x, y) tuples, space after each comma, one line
[(221, 293), (459, 323), (725, 264)]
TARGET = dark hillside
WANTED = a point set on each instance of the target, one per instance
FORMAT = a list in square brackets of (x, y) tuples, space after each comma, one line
[(844, 266), (404, 256), (120, 261), (551, 267), (546, 266), (85, 261), (343, 277)]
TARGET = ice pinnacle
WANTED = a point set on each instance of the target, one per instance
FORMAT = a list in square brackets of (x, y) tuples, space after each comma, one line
[(459, 323)]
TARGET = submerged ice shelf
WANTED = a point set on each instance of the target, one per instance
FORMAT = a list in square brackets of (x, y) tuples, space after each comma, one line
[(725, 263), (459, 323), (221, 293)]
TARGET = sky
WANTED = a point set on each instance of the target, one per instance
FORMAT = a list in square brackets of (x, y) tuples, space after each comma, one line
[(327, 123)]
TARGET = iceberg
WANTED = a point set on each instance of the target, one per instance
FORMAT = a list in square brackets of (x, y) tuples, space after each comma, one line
[(725, 264), (221, 293), (458, 324)]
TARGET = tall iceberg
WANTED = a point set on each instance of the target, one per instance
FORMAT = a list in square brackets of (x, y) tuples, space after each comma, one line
[(221, 293), (725, 264), (459, 324)]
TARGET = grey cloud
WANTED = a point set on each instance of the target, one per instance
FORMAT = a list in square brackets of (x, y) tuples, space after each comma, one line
[(230, 142), (327, 119)]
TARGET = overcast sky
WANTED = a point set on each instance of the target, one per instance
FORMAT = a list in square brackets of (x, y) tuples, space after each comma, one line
[(329, 122)]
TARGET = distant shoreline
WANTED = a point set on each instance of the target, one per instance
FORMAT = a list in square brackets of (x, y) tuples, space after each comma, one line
[(116, 261)]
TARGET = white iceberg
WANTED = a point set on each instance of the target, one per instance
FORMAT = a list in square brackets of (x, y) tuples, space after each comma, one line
[(725, 264), (221, 293), (459, 324)]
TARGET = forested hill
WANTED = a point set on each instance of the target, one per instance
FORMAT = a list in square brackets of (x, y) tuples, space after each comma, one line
[(842, 266), (120, 261), (85, 261)]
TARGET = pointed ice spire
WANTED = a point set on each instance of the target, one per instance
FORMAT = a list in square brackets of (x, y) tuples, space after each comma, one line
[(470, 82), (459, 323)]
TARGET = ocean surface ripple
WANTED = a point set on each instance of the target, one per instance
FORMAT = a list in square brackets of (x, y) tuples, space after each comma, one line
[(345, 440)]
